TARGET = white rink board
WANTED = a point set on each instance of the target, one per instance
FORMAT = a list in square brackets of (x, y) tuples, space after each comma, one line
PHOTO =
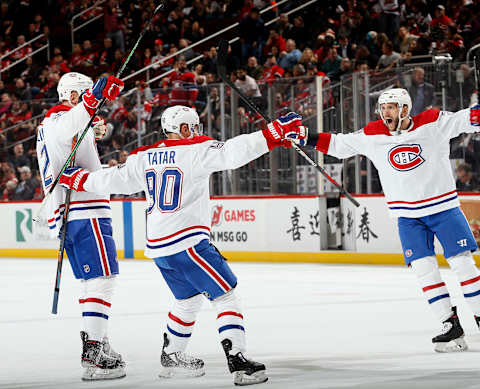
[(379, 222)]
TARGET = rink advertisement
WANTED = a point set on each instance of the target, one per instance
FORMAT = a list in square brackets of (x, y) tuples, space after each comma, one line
[(289, 224)]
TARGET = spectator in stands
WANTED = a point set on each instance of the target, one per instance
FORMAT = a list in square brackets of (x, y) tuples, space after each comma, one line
[(20, 158), (252, 34), (405, 40), (389, 20), (290, 56), (112, 24), (107, 54), (465, 180), (22, 52), (27, 185), (345, 48), (271, 70), (183, 44), (122, 156), (112, 162), (9, 191), (22, 91), (441, 20), (89, 56), (298, 32), (283, 26), (210, 61), (247, 84), (158, 55), (422, 93), (331, 66), (2, 88), (274, 39), (389, 58), (254, 69), (346, 66)]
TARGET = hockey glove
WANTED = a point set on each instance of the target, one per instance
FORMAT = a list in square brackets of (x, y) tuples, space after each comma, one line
[(109, 87), (285, 130), (74, 178), (475, 115), (99, 127)]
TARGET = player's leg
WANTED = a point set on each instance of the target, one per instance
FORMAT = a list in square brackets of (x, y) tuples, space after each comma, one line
[(458, 242), (92, 253), (419, 254), (180, 323), (209, 272)]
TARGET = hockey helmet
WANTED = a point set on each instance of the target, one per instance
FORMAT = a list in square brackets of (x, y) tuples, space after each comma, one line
[(71, 82), (397, 96), (173, 118)]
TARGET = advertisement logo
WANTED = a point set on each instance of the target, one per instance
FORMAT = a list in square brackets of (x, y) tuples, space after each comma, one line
[(216, 215), (23, 223), (219, 215), (405, 157)]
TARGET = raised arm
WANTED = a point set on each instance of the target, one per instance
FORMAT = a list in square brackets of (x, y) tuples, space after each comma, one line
[(452, 124), (121, 179), (238, 151), (340, 145)]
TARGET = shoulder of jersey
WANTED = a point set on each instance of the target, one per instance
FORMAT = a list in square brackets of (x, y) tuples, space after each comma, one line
[(173, 143), (425, 117), (57, 109), (376, 128)]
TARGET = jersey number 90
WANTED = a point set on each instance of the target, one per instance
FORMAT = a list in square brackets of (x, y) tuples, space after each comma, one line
[(164, 189)]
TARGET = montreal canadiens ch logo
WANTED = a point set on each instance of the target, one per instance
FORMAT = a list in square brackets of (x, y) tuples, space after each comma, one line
[(405, 157)]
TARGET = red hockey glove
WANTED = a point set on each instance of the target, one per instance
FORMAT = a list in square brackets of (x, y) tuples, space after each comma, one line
[(74, 178), (109, 87), (475, 115), (99, 127), (286, 129)]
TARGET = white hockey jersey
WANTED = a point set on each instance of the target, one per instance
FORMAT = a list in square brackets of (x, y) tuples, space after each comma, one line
[(414, 167), (54, 145), (175, 177)]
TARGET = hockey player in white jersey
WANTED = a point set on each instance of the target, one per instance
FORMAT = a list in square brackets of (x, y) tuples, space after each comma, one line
[(412, 159), (174, 174), (89, 243)]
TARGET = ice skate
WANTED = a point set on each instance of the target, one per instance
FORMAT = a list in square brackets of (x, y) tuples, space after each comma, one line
[(99, 360), (245, 371), (452, 337), (179, 364)]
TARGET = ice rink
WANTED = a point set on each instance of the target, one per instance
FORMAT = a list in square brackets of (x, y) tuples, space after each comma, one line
[(313, 325)]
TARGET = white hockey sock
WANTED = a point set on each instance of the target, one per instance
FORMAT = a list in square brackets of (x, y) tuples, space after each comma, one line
[(230, 321), (468, 275), (435, 291), (181, 320), (95, 304)]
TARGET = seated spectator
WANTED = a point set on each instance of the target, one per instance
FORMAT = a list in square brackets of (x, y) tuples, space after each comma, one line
[(331, 66), (210, 61), (89, 56), (421, 92), (107, 54), (254, 69), (247, 84), (9, 191), (272, 71), (22, 91), (274, 40), (465, 181), (19, 158), (405, 40), (290, 56), (26, 188), (308, 57), (389, 58), (345, 48), (22, 52), (112, 162), (76, 58), (346, 66)]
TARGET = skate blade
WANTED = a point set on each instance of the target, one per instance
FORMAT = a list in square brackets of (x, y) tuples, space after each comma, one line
[(240, 378), (97, 374), (170, 372), (455, 345)]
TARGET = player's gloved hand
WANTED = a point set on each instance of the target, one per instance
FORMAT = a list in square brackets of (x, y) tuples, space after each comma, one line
[(286, 129), (108, 87), (475, 115), (99, 127), (74, 178)]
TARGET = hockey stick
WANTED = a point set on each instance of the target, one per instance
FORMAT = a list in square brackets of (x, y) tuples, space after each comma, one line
[(222, 73), (70, 161), (100, 105)]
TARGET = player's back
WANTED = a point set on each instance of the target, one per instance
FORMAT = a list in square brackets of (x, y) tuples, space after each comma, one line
[(177, 191)]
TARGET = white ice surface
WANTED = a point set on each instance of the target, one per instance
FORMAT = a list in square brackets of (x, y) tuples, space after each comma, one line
[(314, 326)]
